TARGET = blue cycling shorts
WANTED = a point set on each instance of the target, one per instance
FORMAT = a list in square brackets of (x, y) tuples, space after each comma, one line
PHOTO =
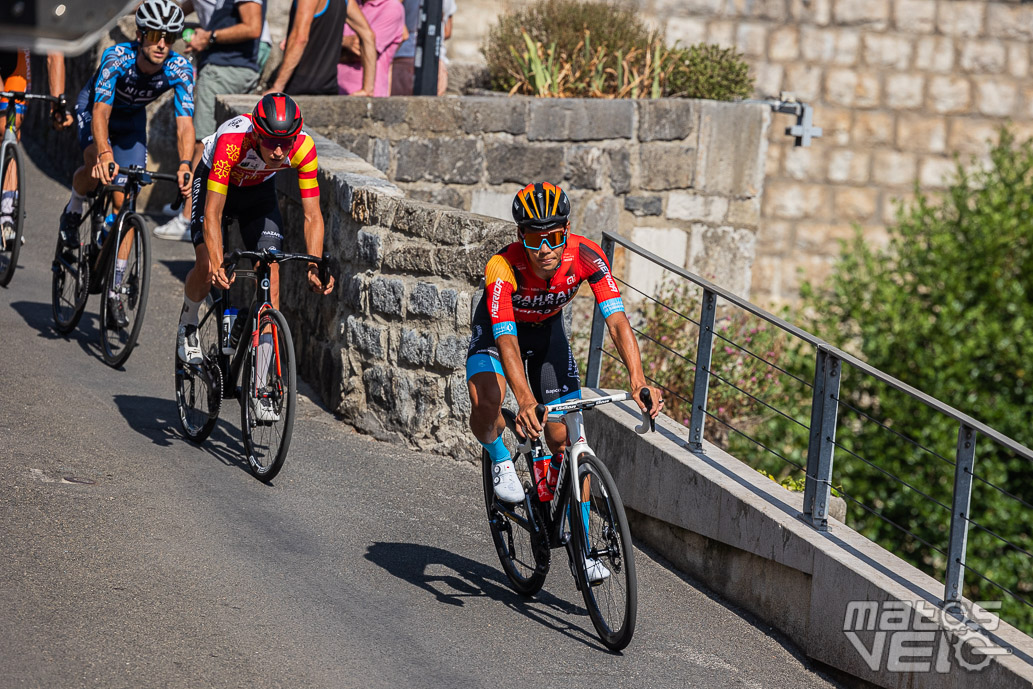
[(127, 133)]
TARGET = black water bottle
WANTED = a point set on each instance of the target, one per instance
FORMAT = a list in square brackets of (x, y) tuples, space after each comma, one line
[(238, 328)]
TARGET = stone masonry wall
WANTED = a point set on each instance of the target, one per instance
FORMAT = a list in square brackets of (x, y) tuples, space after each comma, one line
[(899, 87), (683, 178)]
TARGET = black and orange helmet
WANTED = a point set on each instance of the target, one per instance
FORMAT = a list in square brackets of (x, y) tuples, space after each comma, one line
[(540, 206), (276, 116)]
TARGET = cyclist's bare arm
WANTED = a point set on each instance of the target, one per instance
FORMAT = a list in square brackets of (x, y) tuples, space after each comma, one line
[(56, 79), (624, 338), (314, 242), (215, 204), (185, 144), (101, 116), (513, 366)]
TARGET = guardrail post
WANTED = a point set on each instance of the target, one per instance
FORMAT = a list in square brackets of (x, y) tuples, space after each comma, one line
[(821, 445), (701, 384), (595, 345), (960, 502)]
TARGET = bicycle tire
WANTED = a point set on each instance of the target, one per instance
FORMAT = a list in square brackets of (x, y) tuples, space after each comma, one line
[(266, 442), (9, 250), (70, 285), (612, 603), (117, 343), (198, 415), (524, 560)]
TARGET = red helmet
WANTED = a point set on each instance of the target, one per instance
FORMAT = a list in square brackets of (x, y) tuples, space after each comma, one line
[(276, 116)]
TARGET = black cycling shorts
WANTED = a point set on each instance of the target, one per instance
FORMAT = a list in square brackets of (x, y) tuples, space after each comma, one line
[(255, 208), (551, 369)]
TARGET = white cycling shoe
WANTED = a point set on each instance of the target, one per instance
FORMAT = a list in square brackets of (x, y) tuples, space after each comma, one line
[(265, 410), (597, 571), (507, 485), (188, 349)]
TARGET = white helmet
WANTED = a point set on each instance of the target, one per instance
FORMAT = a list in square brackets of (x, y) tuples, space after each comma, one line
[(160, 15)]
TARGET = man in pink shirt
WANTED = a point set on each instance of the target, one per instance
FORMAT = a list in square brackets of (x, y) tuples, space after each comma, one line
[(387, 19)]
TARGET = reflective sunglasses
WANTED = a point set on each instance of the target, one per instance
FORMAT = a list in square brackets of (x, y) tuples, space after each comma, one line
[(554, 238), (155, 35), (271, 143)]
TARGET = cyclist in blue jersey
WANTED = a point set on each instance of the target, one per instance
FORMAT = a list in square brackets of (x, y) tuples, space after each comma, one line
[(112, 118)]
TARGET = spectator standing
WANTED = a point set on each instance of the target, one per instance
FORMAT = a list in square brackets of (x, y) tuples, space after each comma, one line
[(313, 48), (403, 67), (387, 20), (226, 47)]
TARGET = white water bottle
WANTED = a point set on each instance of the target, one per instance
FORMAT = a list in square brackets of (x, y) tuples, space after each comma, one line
[(229, 317)]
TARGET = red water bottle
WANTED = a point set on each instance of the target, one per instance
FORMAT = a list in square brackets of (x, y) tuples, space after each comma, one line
[(547, 489), (541, 469)]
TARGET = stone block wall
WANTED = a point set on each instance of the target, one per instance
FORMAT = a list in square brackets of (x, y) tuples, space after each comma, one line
[(683, 178), (899, 87)]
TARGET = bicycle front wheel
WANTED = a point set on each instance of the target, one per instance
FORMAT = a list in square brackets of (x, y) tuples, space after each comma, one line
[(523, 554), (603, 539), (11, 217), (125, 299), (268, 395), (70, 286), (199, 386)]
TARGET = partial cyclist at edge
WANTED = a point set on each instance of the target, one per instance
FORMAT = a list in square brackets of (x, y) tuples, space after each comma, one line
[(519, 321), (112, 119), (234, 180), (15, 75)]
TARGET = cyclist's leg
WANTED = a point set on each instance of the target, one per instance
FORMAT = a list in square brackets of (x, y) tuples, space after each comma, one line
[(261, 225), (553, 376), (486, 383), (128, 139), (199, 279), (18, 80)]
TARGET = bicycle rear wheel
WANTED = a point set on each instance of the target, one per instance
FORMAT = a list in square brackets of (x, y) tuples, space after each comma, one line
[(268, 395), (117, 341), (612, 602), (70, 286), (13, 224), (523, 554), (199, 386)]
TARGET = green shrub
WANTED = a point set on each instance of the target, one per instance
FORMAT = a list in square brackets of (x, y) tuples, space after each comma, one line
[(566, 48), (710, 72)]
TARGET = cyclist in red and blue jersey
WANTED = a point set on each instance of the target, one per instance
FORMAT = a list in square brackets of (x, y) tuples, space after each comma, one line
[(519, 322), (112, 117)]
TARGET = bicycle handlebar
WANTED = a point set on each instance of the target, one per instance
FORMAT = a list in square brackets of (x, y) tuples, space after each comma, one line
[(143, 177), (21, 95), (648, 422), (268, 256)]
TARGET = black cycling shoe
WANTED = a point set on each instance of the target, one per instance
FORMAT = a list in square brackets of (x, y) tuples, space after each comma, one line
[(70, 229), (116, 312)]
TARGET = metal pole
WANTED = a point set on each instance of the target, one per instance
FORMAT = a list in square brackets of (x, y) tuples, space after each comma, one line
[(595, 345), (701, 384), (428, 49), (821, 445), (960, 502)]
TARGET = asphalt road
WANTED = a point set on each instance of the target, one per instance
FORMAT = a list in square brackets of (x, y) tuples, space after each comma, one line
[(131, 558)]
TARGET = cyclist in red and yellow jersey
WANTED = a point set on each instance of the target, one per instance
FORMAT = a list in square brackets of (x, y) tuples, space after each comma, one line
[(234, 180), (519, 322)]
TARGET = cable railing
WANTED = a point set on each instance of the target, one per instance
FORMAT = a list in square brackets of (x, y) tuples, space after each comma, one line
[(942, 449)]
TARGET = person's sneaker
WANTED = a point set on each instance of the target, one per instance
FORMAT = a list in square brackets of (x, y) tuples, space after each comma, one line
[(188, 348), (265, 410), (177, 229), (507, 485), (116, 312), (70, 228), (597, 571)]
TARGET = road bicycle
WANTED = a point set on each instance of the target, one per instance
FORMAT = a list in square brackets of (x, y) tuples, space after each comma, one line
[(263, 362), (585, 516), (90, 266), (13, 176)]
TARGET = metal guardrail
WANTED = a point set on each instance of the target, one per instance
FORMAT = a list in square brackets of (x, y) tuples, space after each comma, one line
[(825, 417)]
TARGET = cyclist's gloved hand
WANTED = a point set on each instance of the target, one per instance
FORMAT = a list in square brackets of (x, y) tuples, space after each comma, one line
[(657, 401), (315, 285), (183, 178), (527, 420)]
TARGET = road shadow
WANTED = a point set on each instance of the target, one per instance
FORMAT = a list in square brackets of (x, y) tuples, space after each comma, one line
[(157, 419), (178, 268), (39, 317), (422, 565)]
